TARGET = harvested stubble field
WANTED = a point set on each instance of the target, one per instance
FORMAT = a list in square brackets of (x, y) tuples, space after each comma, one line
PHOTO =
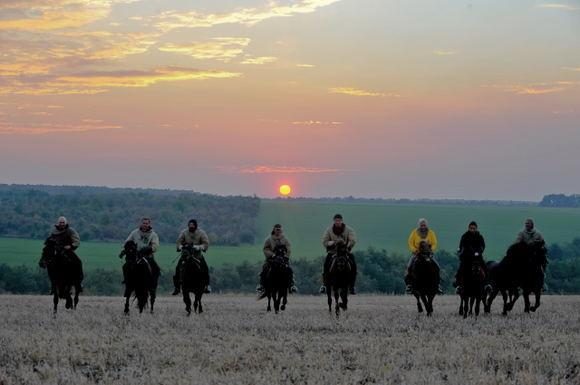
[(380, 339)]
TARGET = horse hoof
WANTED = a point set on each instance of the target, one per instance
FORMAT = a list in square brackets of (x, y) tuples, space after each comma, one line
[(283, 307), (533, 309)]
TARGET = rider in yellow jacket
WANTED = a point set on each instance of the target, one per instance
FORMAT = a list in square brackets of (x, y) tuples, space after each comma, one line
[(419, 235)]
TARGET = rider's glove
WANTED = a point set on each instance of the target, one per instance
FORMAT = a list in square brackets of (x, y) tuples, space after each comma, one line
[(477, 254), (329, 243), (198, 247)]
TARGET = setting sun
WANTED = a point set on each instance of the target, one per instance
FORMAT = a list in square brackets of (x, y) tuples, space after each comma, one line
[(285, 190)]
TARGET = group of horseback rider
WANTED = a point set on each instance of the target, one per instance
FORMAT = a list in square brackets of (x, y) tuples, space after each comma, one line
[(193, 241), (471, 248)]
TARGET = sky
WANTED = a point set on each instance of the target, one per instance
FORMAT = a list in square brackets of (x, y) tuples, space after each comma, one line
[(370, 98)]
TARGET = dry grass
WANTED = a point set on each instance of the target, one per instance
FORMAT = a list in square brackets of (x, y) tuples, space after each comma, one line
[(380, 340)]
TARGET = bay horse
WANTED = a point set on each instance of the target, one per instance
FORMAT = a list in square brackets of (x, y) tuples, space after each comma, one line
[(63, 274), (473, 277), (140, 278), (425, 274), (277, 279), (193, 279), (339, 278)]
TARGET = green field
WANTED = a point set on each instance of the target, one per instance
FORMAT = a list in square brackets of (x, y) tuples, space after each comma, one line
[(379, 225)]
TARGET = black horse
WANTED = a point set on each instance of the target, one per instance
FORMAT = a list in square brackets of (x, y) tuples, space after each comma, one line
[(193, 279), (473, 277), (140, 277), (339, 278), (63, 273), (425, 275), (277, 279), (522, 267)]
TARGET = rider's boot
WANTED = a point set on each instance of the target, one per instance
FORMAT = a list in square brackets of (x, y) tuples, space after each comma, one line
[(352, 290), (207, 289), (177, 285)]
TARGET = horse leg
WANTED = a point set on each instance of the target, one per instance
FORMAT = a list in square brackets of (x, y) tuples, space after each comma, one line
[(487, 303), (269, 308), (506, 304), (465, 303), (198, 300), (336, 303), (471, 303), (187, 301), (152, 294), (68, 297), (127, 297), (427, 302), (329, 295), (76, 298), (284, 301), (276, 299), (477, 304), (55, 301), (526, 295), (419, 307), (461, 305), (538, 294), (344, 298)]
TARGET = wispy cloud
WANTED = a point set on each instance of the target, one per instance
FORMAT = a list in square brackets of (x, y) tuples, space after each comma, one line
[(316, 123), (247, 16), (219, 48), (535, 88), (574, 69), (50, 128), (102, 81), (260, 60), (351, 91), (304, 65), (444, 53), (564, 7), (265, 169)]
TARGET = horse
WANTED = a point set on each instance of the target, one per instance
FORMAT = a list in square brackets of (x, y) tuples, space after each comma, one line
[(338, 280), (63, 274), (277, 280), (193, 280), (426, 279), (474, 279), (522, 267), (140, 278)]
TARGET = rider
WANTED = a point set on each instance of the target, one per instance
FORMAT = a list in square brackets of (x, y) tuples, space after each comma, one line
[(339, 233), (65, 237), (533, 238), (276, 239), (419, 235), (147, 242), (472, 244), (197, 239)]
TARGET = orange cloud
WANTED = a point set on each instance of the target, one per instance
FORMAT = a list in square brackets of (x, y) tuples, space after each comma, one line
[(219, 48), (49, 128), (564, 7), (316, 123), (280, 170), (444, 53), (535, 88), (358, 92), (98, 82), (260, 60), (248, 16)]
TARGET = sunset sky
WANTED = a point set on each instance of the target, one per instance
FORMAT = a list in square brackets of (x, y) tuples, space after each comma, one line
[(373, 98)]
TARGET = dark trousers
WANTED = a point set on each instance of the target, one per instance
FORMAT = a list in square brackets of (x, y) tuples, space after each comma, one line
[(328, 263)]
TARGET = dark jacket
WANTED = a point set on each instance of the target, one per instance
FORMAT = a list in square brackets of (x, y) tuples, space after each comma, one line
[(471, 243)]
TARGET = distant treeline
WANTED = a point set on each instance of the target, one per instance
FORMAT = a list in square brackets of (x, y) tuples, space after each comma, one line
[(561, 200), (103, 214), (379, 272), (405, 201)]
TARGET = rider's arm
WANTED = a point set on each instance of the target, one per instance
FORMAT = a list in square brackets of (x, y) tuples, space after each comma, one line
[(268, 253), (432, 239), (180, 240), (412, 242), (288, 249), (154, 243), (204, 241), (75, 239), (326, 238)]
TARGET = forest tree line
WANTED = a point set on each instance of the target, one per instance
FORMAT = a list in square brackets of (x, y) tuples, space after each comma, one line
[(379, 272), (101, 214)]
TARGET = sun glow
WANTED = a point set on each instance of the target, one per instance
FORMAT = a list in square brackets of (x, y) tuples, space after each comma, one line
[(285, 190)]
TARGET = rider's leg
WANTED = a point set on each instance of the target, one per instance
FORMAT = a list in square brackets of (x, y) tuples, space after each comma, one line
[(408, 279), (205, 270), (439, 288), (293, 288), (260, 287)]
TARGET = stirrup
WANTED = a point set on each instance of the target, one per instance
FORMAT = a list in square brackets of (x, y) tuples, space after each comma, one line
[(207, 289), (293, 289), (409, 289), (322, 289)]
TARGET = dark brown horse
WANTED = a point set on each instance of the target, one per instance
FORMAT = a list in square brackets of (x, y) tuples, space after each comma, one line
[(62, 269), (522, 267), (193, 279), (140, 277), (425, 275), (277, 279), (472, 290), (339, 278)]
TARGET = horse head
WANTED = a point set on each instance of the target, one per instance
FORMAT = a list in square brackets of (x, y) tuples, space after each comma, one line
[(340, 262), (129, 251)]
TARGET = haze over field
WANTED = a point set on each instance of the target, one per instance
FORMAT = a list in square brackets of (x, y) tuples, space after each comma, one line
[(444, 98)]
